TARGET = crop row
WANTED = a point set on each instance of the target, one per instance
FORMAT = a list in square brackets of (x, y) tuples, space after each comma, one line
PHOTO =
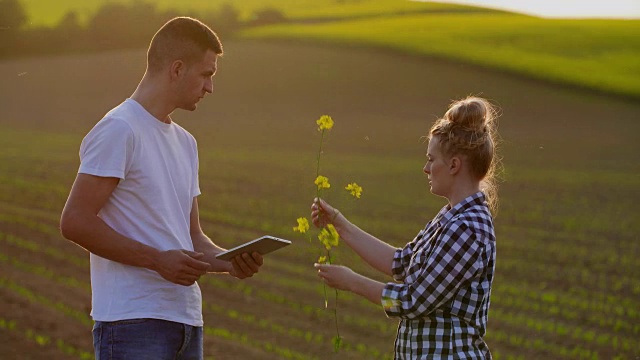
[(600, 309), (590, 319), (47, 250), (548, 298), (557, 246), (283, 353), (588, 337), (236, 337), (607, 305), (539, 346), (39, 339), (84, 319), (576, 277), (45, 301), (295, 334), (44, 272)]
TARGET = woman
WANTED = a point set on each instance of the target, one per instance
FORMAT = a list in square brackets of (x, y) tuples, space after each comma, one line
[(444, 275)]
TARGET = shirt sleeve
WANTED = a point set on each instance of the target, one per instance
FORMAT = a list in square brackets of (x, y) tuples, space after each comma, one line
[(434, 278), (107, 149), (402, 257), (196, 181), (401, 260)]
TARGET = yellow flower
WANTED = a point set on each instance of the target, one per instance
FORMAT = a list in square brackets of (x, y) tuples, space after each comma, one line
[(322, 182), (322, 260), (329, 237), (389, 303), (303, 225), (325, 122), (355, 189)]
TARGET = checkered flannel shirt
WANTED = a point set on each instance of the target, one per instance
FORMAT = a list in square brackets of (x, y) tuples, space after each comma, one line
[(445, 274)]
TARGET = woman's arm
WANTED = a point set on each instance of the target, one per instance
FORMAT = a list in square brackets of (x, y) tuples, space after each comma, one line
[(343, 278), (372, 250)]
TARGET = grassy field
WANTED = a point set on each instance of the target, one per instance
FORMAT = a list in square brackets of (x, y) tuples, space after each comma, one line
[(595, 54), (46, 13), (567, 282)]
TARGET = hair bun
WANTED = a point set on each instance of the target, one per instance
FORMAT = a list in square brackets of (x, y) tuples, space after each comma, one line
[(471, 114)]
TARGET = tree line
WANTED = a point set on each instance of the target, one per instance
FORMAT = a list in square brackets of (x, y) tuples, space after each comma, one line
[(113, 26)]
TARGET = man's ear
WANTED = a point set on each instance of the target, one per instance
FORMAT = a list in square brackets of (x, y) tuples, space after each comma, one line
[(455, 165), (176, 69)]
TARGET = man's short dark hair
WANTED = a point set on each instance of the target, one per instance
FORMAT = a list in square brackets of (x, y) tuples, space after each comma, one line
[(181, 38)]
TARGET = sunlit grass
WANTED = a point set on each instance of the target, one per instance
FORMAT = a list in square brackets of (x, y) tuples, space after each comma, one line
[(596, 54), (49, 13)]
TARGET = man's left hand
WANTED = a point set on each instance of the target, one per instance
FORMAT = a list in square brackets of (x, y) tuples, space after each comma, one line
[(245, 265)]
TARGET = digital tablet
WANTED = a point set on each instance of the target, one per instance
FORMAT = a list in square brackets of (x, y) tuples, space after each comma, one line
[(262, 245)]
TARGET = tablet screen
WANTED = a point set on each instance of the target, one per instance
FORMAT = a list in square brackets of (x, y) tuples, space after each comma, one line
[(262, 245)]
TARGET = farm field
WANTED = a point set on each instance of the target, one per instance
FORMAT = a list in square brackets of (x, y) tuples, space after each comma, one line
[(46, 13), (594, 54), (568, 276)]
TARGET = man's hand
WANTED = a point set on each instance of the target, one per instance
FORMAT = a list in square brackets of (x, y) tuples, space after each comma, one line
[(245, 265), (181, 267)]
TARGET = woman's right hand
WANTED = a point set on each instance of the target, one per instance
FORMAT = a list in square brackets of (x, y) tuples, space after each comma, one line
[(323, 214)]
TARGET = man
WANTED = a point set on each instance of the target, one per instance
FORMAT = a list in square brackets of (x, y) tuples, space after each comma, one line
[(134, 207)]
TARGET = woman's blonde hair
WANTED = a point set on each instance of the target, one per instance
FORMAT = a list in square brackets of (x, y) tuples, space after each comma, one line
[(469, 128)]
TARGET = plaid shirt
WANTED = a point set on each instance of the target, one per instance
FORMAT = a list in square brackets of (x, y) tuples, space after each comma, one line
[(446, 274)]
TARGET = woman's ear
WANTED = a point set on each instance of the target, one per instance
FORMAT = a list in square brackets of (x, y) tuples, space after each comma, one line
[(455, 164)]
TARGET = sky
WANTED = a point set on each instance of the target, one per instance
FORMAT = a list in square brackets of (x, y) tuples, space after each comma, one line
[(618, 9)]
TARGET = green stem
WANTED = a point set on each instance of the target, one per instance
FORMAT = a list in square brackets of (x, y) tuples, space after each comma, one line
[(324, 286), (318, 164), (319, 153), (335, 309), (335, 314)]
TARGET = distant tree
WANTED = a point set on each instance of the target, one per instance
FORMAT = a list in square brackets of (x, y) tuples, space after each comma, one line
[(124, 25), (12, 15), (267, 16), (69, 22), (228, 17), (115, 25)]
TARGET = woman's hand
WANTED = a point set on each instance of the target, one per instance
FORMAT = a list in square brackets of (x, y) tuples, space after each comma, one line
[(323, 214), (337, 276)]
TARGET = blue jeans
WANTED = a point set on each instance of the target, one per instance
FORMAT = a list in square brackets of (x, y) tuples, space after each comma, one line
[(146, 339)]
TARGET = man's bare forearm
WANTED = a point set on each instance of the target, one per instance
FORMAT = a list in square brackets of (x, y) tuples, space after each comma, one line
[(91, 233), (202, 244)]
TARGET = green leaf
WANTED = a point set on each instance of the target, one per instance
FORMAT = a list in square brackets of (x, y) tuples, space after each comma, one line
[(337, 343)]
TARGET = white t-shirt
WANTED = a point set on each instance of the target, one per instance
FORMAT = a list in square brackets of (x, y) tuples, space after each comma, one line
[(157, 164)]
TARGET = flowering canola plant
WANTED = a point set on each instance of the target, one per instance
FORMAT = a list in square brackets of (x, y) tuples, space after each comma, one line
[(322, 182), (354, 189), (303, 225), (328, 236)]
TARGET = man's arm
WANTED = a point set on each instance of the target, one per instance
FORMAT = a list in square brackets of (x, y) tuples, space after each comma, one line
[(242, 266), (80, 223)]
